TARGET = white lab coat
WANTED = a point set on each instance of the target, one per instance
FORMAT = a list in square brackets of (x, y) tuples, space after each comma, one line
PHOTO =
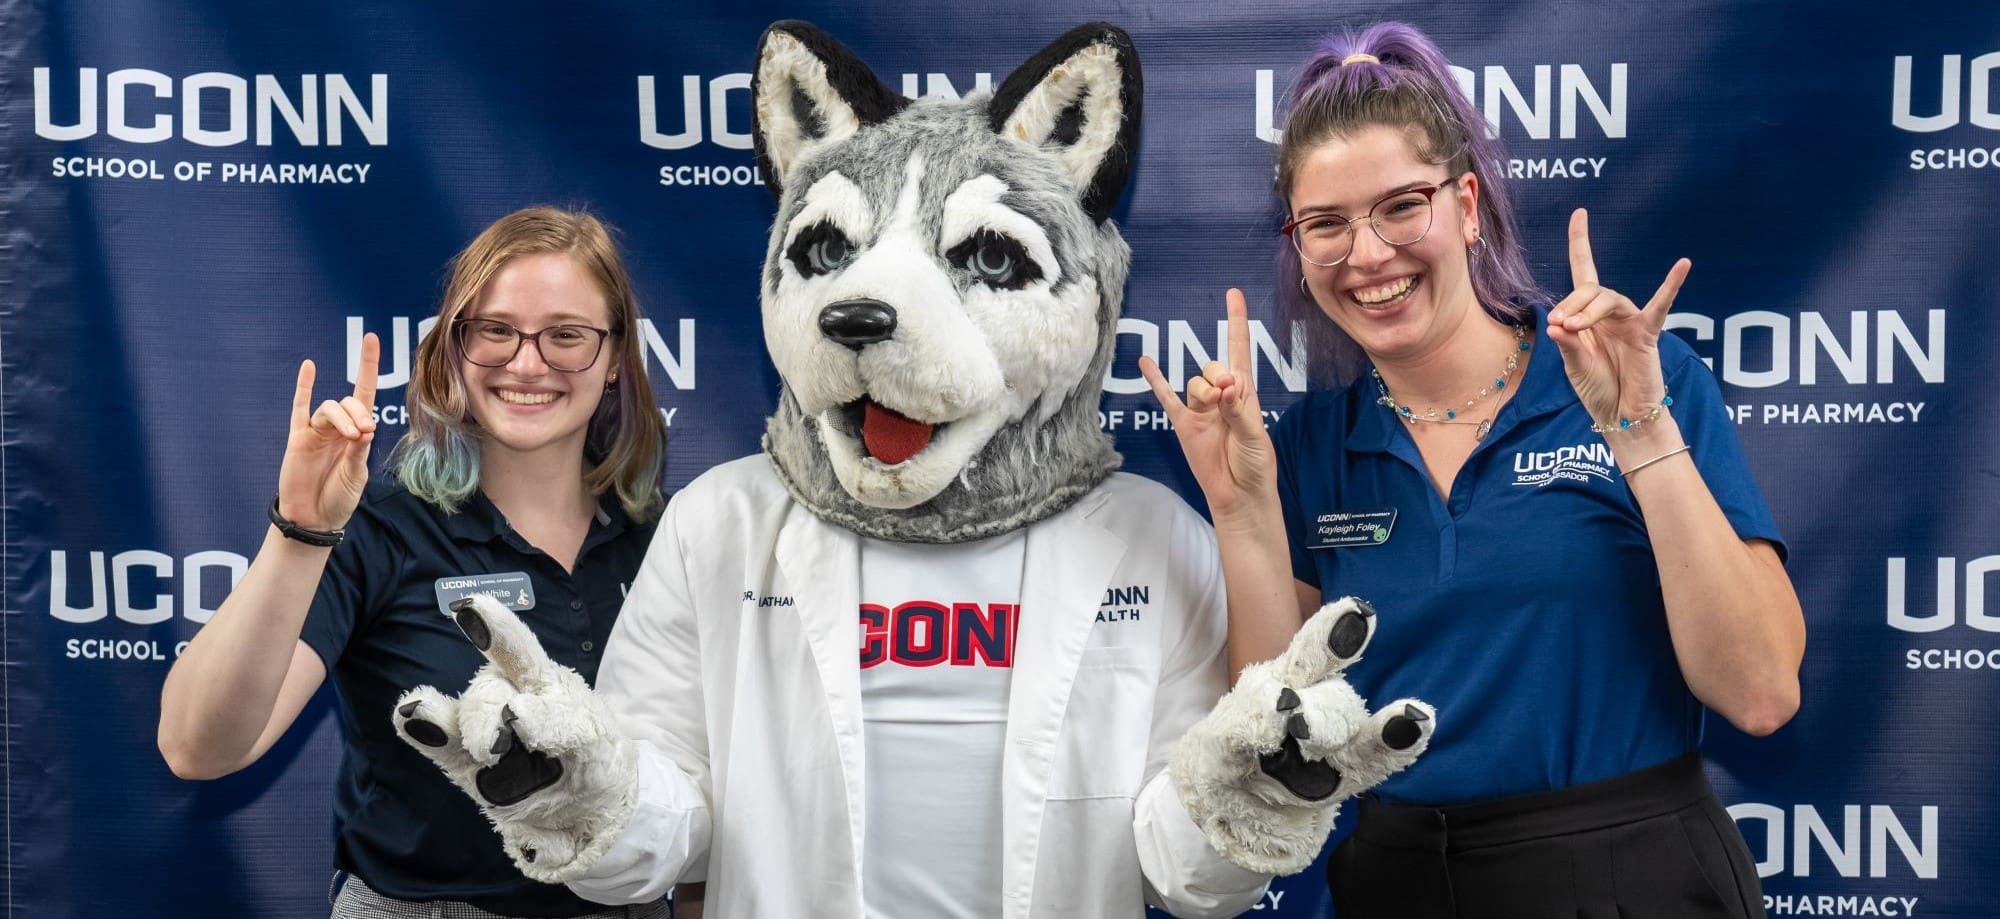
[(736, 666)]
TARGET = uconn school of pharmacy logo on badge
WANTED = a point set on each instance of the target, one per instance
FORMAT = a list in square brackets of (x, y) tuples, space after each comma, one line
[(1575, 463)]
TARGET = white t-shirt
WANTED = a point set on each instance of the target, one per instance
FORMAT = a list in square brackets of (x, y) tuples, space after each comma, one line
[(937, 652)]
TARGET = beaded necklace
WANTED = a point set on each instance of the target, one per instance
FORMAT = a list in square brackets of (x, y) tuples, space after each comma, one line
[(1450, 415)]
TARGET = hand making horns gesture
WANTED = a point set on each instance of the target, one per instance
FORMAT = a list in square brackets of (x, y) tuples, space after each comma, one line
[(326, 455), (1221, 426), (1610, 346)]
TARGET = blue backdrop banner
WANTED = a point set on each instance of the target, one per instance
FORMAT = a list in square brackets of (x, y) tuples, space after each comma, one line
[(199, 194)]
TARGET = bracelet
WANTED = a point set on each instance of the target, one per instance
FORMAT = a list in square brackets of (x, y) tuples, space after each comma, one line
[(1683, 448), (1629, 424), (321, 538)]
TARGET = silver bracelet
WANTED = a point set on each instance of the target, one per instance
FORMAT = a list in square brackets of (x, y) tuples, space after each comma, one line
[(1683, 448)]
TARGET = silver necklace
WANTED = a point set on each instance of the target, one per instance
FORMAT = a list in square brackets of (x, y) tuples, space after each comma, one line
[(1450, 415)]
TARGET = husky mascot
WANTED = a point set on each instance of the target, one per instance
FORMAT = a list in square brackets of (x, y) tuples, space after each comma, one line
[(928, 654)]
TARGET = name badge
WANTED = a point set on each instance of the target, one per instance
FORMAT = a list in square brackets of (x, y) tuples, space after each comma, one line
[(1349, 529), (511, 588)]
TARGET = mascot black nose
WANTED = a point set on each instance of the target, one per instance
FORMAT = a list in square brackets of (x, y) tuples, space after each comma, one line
[(855, 323)]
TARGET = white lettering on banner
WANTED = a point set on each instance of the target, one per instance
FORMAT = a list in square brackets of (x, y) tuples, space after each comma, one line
[(939, 86), (675, 362), (1183, 343), (1844, 849), (1955, 158), (321, 109), (718, 174), (1838, 905), (1830, 412), (295, 173), (1577, 91), (117, 595), (1767, 338), (1556, 168), (691, 127), (690, 133), (1946, 616), (119, 649), (1978, 110), (1270, 900)]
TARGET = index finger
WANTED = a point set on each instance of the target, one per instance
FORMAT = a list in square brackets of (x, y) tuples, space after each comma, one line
[(1239, 331), (1582, 267), (302, 395), (505, 640), (364, 379)]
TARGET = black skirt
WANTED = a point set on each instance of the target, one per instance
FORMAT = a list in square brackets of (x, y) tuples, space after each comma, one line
[(1651, 843)]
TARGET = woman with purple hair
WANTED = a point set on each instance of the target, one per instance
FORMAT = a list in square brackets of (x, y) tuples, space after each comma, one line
[(1546, 502)]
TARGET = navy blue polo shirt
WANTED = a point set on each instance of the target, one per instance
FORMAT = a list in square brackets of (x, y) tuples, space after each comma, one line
[(1527, 608), (378, 624)]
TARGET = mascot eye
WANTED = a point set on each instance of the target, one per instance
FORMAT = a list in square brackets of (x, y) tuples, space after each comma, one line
[(995, 260), (820, 249)]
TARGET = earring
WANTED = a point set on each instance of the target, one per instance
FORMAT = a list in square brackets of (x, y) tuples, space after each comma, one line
[(1302, 286)]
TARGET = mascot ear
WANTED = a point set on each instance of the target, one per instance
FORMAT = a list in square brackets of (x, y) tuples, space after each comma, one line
[(809, 90), (1080, 97)]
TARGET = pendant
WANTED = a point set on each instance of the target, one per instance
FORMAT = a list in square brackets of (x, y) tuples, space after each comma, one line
[(1479, 433)]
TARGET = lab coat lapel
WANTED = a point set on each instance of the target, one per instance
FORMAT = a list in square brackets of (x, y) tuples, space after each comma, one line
[(1070, 560), (821, 565)]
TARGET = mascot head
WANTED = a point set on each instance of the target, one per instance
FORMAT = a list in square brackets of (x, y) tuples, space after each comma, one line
[(942, 286)]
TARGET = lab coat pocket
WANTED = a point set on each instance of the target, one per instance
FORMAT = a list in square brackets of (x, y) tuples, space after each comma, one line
[(1102, 749)]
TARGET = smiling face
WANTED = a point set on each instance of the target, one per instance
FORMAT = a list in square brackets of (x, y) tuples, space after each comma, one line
[(526, 406), (1394, 301)]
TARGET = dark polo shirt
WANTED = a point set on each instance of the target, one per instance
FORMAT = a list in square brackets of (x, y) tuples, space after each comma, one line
[(379, 625)]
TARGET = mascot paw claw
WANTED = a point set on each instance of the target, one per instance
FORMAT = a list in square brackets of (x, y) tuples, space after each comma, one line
[(531, 744), (1264, 774)]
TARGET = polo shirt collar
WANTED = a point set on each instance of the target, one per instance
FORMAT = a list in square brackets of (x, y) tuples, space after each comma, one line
[(477, 520), (1544, 388)]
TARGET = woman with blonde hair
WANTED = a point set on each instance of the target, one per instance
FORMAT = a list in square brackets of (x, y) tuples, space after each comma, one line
[(531, 472)]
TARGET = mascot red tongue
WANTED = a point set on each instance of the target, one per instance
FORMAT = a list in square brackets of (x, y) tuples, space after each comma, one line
[(889, 436)]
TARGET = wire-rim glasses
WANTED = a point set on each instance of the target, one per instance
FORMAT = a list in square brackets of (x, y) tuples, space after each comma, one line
[(565, 348), (1399, 219)]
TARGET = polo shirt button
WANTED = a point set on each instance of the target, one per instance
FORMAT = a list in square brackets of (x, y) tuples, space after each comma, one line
[(576, 604), (589, 646)]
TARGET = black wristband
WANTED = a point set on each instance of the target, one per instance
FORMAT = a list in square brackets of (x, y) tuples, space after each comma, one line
[(321, 538)]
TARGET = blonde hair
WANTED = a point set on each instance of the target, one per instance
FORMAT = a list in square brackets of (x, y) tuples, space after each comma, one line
[(438, 460)]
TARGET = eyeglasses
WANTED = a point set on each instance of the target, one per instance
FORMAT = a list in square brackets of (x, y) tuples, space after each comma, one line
[(1400, 219), (492, 343)]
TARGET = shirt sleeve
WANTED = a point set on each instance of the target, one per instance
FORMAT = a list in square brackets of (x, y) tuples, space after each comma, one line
[(1184, 874), (1284, 446), (338, 605), (1711, 434), (651, 685)]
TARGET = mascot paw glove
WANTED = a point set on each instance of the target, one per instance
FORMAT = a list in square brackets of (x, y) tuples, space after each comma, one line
[(1265, 772), (532, 745)]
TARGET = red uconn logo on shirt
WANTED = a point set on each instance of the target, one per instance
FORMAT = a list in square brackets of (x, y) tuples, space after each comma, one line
[(925, 633)]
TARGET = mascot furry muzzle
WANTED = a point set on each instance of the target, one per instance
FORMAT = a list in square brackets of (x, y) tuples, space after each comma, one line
[(941, 289)]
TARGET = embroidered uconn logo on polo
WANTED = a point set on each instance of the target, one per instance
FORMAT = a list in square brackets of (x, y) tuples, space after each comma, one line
[(1577, 463)]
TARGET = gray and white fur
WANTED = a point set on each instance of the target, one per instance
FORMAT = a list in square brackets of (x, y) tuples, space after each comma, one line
[(972, 234)]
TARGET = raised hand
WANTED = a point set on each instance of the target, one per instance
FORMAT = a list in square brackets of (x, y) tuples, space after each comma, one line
[(1264, 773), (1221, 426), (1610, 346), (326, 454), (531, 744)]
